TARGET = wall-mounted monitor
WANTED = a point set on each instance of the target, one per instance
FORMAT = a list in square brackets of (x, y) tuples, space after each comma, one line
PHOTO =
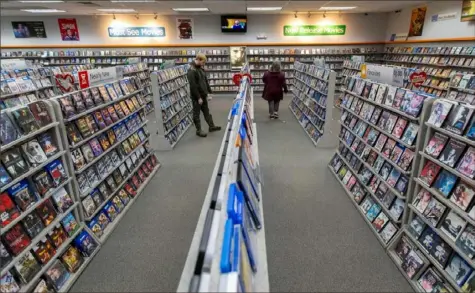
[(233, 23)]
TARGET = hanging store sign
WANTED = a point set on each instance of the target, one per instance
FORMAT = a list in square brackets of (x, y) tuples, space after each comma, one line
[(383, 74), (314, 30), (138, 32)]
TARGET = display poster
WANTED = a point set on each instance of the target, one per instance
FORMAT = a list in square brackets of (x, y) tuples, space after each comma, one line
[(418, 17), (468, 10), (314, 30), (69, 29), (136, 31), (238, 57), (29, 29), (184, 28)]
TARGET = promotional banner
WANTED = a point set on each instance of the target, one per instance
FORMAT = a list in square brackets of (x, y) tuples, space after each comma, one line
[(69, 29), (418, 17), (136, 31), (88, 78), (314, 30), (468, 10), (29, 29), (184, 28)]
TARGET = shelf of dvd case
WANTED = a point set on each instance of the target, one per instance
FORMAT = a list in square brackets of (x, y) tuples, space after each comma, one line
[(375, 150), (443, 236), (309, 51), (28, 136), (32, 208), (111, 148), (348, 193), (101, 106), (86, 192), (378, 128), (172, 105), (96, 134), (74, 276), (368, 190), (111, 226), (32, 242), (450, 169), (32, 171), (313, 137), (400, 255), (307, 115), (399, 193), (59, 251), (396, 111), (92, 214), (444, 200)]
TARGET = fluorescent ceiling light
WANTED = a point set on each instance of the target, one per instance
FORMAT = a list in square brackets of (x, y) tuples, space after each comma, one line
[(41, 1), (264, 8), (42, 10), (118, 10), (338, 8), (190, 9)]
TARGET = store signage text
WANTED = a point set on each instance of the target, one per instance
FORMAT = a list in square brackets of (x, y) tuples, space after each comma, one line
[(384, 74), (314, 30), (94, 77), (11, 64), (140, 32)]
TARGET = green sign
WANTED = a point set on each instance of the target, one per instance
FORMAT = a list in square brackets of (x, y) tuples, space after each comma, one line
[(314, 30)]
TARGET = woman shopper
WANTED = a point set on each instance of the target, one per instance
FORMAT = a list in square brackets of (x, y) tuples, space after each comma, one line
[(274, 88)]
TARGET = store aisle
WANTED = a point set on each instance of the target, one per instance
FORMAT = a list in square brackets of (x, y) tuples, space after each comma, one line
[(316, 240), (148, 249)]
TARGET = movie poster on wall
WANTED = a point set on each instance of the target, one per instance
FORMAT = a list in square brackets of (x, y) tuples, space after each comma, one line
[(29, 29), (468, 10), (418, 17), (69, 29), (184, 28), (238, 57)]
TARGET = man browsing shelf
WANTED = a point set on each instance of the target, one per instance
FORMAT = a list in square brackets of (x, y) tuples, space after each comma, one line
[(200, 94)]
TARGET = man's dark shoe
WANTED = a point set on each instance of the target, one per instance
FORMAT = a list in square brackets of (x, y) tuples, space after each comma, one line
[(201, 133), (214, 128)]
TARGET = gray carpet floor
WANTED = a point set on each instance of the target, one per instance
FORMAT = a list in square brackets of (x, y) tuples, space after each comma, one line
[(316, 240)]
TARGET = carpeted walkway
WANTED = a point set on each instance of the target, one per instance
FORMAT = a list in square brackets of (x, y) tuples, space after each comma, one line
[(316, 240)]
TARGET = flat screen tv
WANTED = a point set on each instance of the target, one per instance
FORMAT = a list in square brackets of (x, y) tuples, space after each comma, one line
[(233, 23)]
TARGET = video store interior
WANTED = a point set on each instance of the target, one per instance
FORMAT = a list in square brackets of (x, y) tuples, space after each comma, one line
[(237, 146)]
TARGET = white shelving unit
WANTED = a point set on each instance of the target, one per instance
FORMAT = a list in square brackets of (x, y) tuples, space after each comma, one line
[(53, 129), (312, 105), (173, 108), (202, 272)]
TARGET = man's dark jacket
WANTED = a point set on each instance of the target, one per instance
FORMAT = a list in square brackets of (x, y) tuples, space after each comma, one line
[(199, 86)]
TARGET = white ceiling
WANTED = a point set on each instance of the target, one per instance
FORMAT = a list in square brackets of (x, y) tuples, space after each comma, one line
[(164, 7)]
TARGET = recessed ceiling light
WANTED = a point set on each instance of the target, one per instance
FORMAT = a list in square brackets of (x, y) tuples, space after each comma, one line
[(42, 10), (41, 1), (118, 10), (338, 8), (264, 8), (190, 9)]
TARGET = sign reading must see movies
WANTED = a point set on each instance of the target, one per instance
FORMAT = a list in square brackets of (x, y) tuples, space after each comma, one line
[(141, 32), (314, 30)]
